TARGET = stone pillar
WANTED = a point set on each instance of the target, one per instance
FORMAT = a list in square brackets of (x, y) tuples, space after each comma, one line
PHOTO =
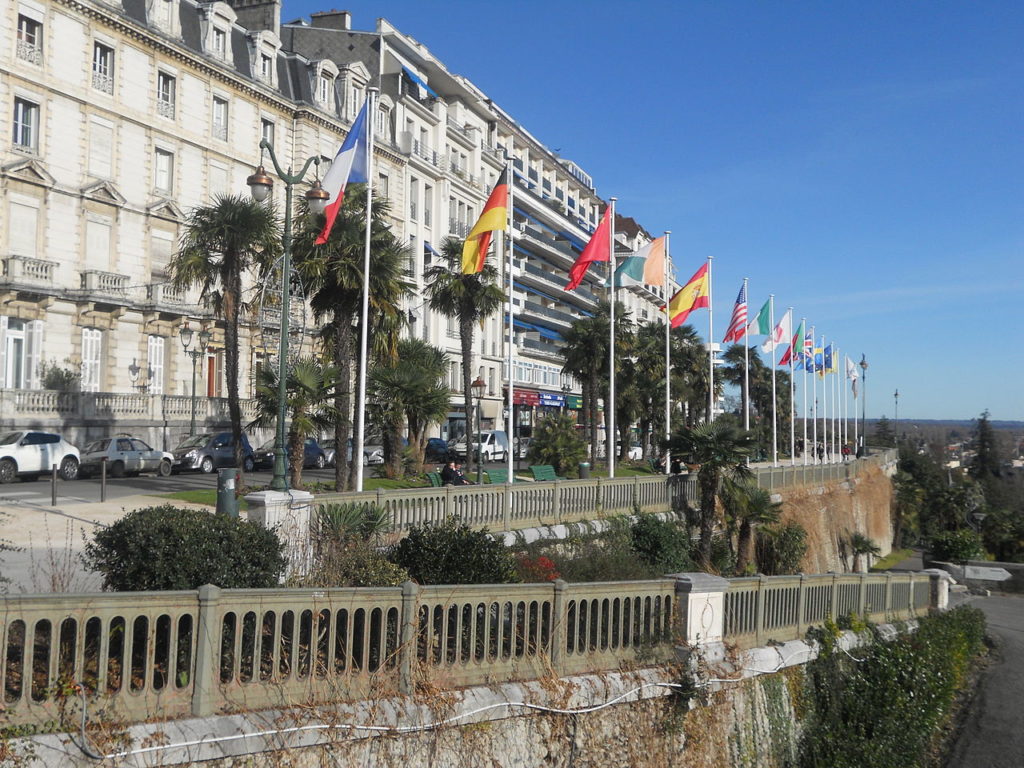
[(289, 513), (701, 601), (940, 581)]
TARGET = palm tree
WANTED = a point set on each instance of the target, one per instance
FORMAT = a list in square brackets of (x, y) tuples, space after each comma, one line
[(649, 369), (861, 545), (309, 387), (470, 299), (220, 243), (721, 450), (749, 506), (334, 276), (409, 388)]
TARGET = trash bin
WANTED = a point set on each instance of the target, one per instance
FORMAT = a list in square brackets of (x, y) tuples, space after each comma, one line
[(227, 502), (584, 470)]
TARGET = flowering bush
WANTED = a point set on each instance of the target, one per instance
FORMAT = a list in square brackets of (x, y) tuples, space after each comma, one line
[(536, 569)]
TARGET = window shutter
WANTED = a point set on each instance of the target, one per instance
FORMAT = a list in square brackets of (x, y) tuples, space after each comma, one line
[(3, 351), (22, 222), (34, 336), (101, 145), (156, 365)]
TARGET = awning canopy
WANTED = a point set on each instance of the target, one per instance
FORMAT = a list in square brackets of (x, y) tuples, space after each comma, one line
[(419, 81)]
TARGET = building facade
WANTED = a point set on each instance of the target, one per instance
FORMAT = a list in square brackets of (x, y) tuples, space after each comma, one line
[(124, 115)]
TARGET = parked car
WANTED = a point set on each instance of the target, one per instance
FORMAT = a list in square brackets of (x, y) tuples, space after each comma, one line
[(436, 450), (210, 451), (493, 445), (331, 452), (124, 455), (29, 454), (313, 455)]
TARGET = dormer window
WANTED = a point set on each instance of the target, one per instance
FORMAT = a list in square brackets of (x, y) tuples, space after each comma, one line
[(220, 43), (266, 68), (323, 90)]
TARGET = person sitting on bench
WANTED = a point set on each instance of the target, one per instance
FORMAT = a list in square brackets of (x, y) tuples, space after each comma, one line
[(452, 474)]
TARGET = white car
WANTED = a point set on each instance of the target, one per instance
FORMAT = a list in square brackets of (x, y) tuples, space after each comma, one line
[(493, 444), (29, 453)]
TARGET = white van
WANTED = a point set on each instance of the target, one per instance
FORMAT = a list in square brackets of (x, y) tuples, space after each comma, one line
[(493, 445)]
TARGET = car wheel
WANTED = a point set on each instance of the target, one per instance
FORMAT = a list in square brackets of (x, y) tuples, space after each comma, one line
[(164, 469), (69, 468), (117, 469), (8, 471), (206, 465), (248, 465), (321, 462)]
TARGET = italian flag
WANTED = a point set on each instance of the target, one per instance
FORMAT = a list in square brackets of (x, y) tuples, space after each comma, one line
[(762, 324)]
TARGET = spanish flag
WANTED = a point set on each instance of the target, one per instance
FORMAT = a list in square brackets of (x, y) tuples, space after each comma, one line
[(691, 296), (493, 218)]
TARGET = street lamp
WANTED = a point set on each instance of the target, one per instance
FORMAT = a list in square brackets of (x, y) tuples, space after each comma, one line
[(260, 184), (186, 341), (864, 404), (478, 387), (565, 397)]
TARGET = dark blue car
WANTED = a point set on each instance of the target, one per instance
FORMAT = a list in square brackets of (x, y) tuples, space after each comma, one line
[(314, 456)]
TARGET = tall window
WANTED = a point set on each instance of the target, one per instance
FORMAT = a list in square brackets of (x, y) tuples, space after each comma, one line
[(97, 243), (414, 193), (266, 68), (164, 177), (220, 42), (323, 90), (165, 97), (103, 68), (26, 124), (101, 148), (220, 118), (92, 341), (383, 185), (161, 246), (30, 39), (22, 236), (267, 131), (155, 362), (428, 204)]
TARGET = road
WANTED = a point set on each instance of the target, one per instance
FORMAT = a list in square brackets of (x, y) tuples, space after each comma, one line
[(993, 732), (37, 492)]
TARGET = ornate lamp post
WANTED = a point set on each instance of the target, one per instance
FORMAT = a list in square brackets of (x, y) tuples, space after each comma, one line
[(478, 387), (864, 403), (186, 341), (260, 184)]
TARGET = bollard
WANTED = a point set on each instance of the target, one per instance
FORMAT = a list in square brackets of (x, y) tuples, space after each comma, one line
[(584, 470), (103, 479), (53, 486), (227, 502)]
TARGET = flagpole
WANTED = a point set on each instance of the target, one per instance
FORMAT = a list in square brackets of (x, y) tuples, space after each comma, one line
[(711, 352), (792, 397), (609, 407), (668, 357), (510, 404), (364, 331), (856, 427), (835, 406), (771, 324), (803, 384), (824, 401), (746, 365), (846, 422), (814, 396)]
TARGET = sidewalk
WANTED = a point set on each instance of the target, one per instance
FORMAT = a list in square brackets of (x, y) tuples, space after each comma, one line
[(50, 539)]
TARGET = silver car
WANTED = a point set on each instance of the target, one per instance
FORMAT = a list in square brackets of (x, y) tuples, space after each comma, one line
[(125, 456)]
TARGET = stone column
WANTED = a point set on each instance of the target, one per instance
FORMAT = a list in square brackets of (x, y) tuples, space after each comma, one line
[(701, 601), (289, 513)]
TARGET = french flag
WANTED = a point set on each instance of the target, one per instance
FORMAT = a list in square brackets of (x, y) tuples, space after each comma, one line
[(349, 166)]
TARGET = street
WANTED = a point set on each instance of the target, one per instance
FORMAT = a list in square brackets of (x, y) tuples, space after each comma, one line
[(37, 492)]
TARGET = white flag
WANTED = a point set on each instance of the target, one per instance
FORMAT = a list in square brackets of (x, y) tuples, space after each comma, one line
[(851, 370), (782, 333)]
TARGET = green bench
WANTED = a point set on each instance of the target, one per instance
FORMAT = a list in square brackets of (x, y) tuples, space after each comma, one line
[(544, 472), (435, 479), (498, 476)]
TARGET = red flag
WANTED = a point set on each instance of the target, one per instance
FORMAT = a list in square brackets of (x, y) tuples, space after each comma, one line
[(597, 250)]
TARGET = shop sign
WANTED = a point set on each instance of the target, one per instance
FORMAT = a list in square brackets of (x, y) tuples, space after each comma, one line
[(525, 397), (551, 399)]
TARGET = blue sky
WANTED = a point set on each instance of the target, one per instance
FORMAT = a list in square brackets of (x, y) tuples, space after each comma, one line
[(863, 161)]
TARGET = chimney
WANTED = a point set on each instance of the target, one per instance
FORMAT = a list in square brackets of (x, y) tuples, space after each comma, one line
[(332, 20)]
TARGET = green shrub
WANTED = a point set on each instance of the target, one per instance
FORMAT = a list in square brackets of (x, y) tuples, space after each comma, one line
[(661, 544), (781, 548), (556, 441), (587, 556), (352, 563), (885, 707), (167, 547), (453, 553), (956, 546)]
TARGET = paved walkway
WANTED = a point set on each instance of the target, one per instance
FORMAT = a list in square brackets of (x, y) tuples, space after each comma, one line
[(993, 732)]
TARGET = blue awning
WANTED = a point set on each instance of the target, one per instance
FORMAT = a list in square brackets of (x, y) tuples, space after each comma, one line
[(419, 81), (546, 333)]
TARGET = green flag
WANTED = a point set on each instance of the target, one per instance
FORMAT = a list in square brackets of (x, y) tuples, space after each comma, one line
[(762, 325), (632, 269)]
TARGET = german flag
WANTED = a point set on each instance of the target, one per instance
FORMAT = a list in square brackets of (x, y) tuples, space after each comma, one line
[(493, 218)]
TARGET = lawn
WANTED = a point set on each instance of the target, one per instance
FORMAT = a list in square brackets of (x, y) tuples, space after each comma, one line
[(887, 562)]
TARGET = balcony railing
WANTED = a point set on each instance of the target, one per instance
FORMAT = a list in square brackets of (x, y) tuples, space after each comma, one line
[(105, 283), (65, 408), (165, 108), (30, 52), (103, 82), (29, 271), (457, 228), (421, 150), (165, 294)]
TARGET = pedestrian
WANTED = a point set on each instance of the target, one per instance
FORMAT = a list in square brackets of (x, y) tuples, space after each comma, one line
[(452, 473), (846, 451), (821, 453), (677, 466)]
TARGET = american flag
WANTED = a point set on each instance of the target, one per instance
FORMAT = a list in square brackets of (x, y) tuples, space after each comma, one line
[(738, 324)]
